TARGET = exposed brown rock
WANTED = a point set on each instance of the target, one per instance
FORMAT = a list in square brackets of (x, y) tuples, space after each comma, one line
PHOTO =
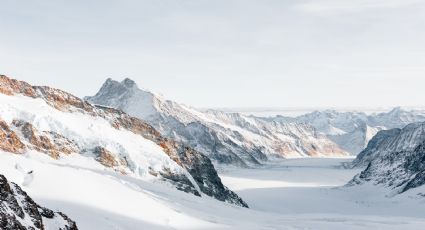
[(135, 125), (48, 142), (10, 86), (38, 142), (105, 157), (62, 100), (57, 98), (9, 141), (283, 148), (62, 144), (170, 148)]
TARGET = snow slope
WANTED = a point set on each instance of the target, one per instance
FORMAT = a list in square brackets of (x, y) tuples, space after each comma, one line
[(230, 138), (93, 195)]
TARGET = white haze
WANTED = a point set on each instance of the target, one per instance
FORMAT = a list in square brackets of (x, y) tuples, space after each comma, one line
[(294, 53)]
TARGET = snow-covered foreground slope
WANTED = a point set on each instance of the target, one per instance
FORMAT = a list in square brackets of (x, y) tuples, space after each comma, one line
[(296, 194), (97, 198), (230, 138), (353, 130)]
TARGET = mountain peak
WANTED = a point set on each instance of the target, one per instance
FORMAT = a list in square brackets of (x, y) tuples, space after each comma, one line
[(395, 110), (127, 82), (113, 88)]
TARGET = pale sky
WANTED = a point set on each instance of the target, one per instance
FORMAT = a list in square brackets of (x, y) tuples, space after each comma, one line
[(224, 53)]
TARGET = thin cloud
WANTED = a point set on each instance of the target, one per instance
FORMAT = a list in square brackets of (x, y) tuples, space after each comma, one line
[(338, 6)]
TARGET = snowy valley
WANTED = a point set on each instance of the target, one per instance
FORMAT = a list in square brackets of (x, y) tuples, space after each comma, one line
[(281, 196)]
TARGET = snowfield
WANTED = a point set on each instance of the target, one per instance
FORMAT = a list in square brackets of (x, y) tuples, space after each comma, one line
[(291, 194), (87, 131), (317, 186)]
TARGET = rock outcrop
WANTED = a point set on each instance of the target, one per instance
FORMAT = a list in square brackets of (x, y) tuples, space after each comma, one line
[(50, 143), (19, 212), (9, 141), (395, 159)]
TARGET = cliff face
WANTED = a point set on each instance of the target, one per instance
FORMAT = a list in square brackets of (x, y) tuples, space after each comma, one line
[(390, 141), (19, 211), (57, 123), (395, 159)]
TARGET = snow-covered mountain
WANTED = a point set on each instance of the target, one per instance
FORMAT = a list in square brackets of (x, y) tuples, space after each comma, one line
[(353, 130), (108, 170), (225, 137), (53, 122), (394, 158), (19, 211)]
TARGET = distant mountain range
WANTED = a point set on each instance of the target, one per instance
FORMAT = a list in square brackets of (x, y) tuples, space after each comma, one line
[(353, 130), (236, 138), (230, 138)]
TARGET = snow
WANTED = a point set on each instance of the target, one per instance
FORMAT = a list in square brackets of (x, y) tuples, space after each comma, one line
[(66, 186), (290, 194), (88, 132), (54, 223)]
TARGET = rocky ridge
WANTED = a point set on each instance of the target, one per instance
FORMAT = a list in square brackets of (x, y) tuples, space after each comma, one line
[(19, 212), (395, 159)]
